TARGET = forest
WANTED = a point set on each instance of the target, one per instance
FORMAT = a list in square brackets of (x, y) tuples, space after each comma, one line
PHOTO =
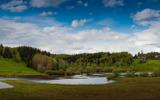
[(61, 64)]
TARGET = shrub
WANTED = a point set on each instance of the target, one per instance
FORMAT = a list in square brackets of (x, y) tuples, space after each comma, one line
[(113, 75)]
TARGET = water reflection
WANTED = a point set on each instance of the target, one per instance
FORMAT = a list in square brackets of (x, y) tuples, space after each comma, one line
[(73, 80), (78, 80)]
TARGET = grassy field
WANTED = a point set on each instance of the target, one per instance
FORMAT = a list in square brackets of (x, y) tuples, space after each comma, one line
[(150, 65), (126, 89), (9, 67)]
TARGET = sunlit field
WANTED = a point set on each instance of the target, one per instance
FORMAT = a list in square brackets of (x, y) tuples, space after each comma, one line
[(123, 89)]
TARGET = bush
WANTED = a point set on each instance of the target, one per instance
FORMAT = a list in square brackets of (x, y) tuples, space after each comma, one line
[(113, 75)]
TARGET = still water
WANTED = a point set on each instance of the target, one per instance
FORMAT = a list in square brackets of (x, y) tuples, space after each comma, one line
[(78, 80), (73, 80)]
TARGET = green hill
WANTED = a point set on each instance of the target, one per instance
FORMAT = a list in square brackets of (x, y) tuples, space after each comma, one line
[(9, 67), (149, 65)]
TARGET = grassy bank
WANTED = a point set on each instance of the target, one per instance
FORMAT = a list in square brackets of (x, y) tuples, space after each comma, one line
[(126, 89), (9, 67), (150, 65)]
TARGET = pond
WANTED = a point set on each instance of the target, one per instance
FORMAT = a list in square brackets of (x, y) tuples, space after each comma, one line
[(77, 80), (73, 80)]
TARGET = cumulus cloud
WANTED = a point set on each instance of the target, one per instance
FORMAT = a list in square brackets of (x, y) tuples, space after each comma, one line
[(15, 6), (147, 39), (77, 23), (146, 16), (113, 3), (46, 13), (46, 3), (62, 39), (149, 36)]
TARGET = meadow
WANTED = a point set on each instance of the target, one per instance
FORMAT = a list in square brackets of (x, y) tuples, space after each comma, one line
[(149, 65), (8, 67), (142, 88), (136, 66)]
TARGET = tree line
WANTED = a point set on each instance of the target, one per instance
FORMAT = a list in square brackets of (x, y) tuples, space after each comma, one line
[(43, 61)]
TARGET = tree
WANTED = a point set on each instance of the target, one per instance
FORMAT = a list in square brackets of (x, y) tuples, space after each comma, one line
[(16, 55), (7, 52), (42, 63), (1, 50)]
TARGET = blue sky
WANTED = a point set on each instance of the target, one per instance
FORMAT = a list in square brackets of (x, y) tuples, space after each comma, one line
[(76, 26)]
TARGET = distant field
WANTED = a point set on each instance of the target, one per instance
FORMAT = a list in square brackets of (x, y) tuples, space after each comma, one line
[(9, 67), (143, 88), (150, 65)]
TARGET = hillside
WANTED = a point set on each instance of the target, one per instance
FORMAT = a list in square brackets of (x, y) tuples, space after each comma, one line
[(9, 67), (149, 65)]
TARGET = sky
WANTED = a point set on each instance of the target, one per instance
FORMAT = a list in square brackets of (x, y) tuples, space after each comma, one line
[(81, 26)]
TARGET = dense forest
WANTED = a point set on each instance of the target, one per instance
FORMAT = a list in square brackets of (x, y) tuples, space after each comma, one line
[(43, 61)]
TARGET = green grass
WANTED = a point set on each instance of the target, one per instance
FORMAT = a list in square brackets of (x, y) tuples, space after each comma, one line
[(147, 88), (9, 67), (150, 65)]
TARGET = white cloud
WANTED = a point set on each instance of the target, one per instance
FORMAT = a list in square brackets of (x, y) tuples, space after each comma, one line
[(113, 3), (48, 13), (100, 35), (61, 39), (77, 23), (15, 6), (147, 16), (149, 36), (147, 39), (46, 3)]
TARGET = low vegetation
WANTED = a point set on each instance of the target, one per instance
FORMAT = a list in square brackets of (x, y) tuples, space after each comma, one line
[(145, 88), (8, 67), (148, 66)]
